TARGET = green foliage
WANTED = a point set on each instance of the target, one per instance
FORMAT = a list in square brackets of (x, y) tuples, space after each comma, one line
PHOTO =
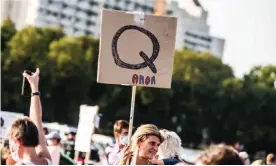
[(204, 94), (201, 67), (263, 76), (7, 32)]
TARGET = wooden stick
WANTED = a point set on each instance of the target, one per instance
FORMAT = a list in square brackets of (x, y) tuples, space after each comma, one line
[(131, 117)]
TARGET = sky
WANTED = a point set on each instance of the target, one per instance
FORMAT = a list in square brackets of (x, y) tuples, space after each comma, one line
[(248, 26)]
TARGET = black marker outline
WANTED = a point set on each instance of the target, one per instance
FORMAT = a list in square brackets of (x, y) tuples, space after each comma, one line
[(147, 61)]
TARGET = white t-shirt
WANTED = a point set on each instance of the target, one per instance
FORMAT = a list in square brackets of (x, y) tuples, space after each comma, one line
[(55, 154)]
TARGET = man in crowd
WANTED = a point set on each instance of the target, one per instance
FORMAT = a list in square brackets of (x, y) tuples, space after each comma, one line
[(53, 141), (120, 130), (69, 144)]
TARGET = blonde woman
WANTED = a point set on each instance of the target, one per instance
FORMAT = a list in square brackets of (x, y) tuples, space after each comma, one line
[(144, 146)]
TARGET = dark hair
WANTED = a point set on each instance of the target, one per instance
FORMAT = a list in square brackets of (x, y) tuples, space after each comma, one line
[(120, 125), (25, 131), (45, 130), (220, 155)]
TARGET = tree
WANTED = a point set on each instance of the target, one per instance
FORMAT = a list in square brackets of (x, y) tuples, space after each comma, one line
[(27, 50), (200, 68), (234, 83), (264, 76), (7, 32), (205, 96), (73, 62)]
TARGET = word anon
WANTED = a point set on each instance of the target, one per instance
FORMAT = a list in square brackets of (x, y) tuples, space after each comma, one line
[(139, 79)]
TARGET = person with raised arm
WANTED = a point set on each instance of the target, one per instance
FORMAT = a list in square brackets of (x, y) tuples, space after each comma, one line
[(26, 137)]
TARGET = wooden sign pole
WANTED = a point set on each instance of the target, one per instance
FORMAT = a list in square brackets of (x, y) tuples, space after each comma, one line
[(131, 117)]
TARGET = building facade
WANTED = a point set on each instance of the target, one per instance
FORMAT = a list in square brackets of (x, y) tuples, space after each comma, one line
[(15, 11), (83, 17), (21, 12)]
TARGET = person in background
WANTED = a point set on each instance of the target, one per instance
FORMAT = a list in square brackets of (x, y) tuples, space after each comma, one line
[(6, 158), (244, 156), (120, 130), (53, 142), (220, 155), (271, 159), (143, 147), (26, 138), (69, 144), (169, 151), (45, 131)]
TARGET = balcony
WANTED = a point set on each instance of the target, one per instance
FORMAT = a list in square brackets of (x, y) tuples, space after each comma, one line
[(52, 19), (81, 25), (81, 15), (111, 3), (95, 8), (71, 2), (121, 4), (92, 28), (66, 22), (150, 4), (54, 8), (69, 11), (93, 19), (58, 0), (130, 7), (79, 33), (84, 5)]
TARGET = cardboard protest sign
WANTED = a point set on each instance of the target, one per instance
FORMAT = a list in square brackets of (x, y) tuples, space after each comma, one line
[(85, 127), (137, 51)]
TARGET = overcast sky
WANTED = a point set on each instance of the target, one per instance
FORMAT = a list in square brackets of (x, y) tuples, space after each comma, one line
[(248, 26)]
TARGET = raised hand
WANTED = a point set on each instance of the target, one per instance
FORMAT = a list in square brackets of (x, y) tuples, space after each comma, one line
[(33, 79)]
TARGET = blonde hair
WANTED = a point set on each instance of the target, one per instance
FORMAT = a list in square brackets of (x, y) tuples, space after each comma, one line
[(143, 132), (140, 135), (171, 147)]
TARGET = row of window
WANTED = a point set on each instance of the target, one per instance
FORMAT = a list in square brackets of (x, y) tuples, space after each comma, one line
[(67, 2), (55, 13), (64, 6), (200, 37), (70, 18), (75, 29), (196, 44), (144, 8), (86, 32), (136, 7)]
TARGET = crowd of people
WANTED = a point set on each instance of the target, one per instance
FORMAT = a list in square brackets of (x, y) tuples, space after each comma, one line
[(30, 144)]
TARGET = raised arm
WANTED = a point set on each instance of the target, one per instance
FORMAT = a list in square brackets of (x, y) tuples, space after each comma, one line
[(36, 113)]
